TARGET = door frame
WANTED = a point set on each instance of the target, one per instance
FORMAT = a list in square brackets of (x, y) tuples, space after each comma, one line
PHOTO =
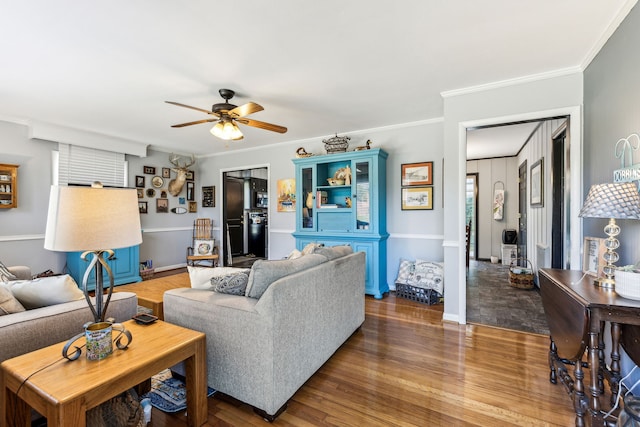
[(575, 132), (223, 251)]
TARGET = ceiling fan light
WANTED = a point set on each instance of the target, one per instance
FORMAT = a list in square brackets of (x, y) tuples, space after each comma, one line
[(217, 130), (236, 134)]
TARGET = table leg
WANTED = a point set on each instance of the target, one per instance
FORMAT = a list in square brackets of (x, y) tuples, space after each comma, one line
[(196, 382), (553, 356), (578, 393), (594, 367), (72, 413), (615, 360), (601, 358), (16, 410)]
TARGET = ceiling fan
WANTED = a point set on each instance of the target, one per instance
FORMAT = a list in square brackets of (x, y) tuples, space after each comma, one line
[(227, 116)]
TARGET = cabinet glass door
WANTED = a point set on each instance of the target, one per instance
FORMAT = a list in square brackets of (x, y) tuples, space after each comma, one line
[(308, 198), (363, 192)]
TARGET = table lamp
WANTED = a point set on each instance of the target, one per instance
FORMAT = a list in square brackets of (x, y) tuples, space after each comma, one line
[(613, 201), (95, 220)]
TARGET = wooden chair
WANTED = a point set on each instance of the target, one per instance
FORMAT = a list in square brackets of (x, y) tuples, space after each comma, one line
[(203, 249)]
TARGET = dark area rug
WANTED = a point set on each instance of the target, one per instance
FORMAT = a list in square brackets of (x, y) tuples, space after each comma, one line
[(492, 301)]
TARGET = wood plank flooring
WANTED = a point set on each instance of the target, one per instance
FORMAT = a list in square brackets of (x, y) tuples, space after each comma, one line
[(406, 367)]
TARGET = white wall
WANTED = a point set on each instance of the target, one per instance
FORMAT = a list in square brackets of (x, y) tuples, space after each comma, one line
[(22, 229), (497, 173)]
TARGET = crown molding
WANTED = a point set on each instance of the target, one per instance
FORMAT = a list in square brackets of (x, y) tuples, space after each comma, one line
[(512, 82), (608, 32)]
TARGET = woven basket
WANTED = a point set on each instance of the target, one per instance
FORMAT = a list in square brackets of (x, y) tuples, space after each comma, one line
[(518, 279), (628, 284)]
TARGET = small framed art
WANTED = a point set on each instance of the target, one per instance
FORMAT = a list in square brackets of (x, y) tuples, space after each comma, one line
[(166, 172), (592, 262), (140, 181), (162, 205), (142, 207), (417, 198), (414, 174), (149, 170), (537, 183)]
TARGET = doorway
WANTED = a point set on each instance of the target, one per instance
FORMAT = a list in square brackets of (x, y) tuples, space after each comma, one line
[(522, 210), (245, 213), (471, 215), (560, 224), (542, 142)]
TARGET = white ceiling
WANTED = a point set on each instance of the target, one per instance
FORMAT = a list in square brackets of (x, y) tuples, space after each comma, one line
[(318, 68), (499, 141)]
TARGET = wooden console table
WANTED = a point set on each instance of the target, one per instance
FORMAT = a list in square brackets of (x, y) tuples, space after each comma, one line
[(576, 312), (64, 390)]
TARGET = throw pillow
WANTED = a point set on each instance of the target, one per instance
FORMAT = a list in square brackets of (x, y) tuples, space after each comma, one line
[(405, 271), (46, 291), (8, 303), (294, 254), (334, 252), (429, 275), (232, 284), (310, 247), (5, 274), (200, 277), (264, 273)]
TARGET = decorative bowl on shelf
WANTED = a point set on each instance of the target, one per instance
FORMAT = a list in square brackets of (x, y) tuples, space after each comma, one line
[(335, 181)]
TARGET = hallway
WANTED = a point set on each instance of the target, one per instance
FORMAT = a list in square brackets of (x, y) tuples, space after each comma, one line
[(491, 301)]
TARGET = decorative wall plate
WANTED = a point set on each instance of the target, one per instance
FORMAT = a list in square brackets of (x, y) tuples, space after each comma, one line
[(157, 181), (179, 210), (151, 192)]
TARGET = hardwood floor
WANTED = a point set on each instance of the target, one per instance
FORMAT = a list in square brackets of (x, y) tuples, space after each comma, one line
[(405, 367)]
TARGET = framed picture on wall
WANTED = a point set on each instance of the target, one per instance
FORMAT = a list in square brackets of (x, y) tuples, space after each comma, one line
[(142, 207), (190, 191), (537, 183), (417, 174), (592, 262), (417, 198)]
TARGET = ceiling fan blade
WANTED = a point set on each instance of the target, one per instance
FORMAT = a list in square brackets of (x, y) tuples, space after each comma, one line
[(189, 106), (197, 122), (245, 110), (262, 125)]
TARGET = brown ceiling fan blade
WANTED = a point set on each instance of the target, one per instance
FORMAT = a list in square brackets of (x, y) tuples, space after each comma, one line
[(189, 106), (245, 110), (197, 122), (262, 125)]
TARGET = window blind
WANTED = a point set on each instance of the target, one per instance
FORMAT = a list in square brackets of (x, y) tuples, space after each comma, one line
[(82, 166)]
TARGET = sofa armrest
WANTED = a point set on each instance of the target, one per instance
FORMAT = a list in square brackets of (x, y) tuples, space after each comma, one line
[(30, 330), (21, 272)]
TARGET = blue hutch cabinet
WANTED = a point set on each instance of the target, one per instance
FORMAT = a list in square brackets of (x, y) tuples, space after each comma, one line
[(339, 213), (125, 267)]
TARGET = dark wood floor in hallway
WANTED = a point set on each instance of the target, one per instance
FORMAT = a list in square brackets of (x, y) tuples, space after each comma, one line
[(406, 367), (491, 301)]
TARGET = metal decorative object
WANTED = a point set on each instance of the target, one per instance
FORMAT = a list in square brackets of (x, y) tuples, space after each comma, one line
[(98, 340), (336, 144)]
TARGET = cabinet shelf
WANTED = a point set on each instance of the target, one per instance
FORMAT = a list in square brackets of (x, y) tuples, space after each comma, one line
[(8, 186)]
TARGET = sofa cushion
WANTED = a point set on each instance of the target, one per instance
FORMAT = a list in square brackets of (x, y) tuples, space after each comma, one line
[(46, 291), (310, 247), (5, 274), (333, 252), (264, 273), (234, 283), (8, 303), (200, 277)]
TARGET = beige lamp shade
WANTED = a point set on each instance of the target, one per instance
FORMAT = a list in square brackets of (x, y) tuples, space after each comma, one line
[(92, 219)]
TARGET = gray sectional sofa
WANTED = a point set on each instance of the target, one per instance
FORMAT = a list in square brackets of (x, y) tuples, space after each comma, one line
[(33, 329), (262, 350)]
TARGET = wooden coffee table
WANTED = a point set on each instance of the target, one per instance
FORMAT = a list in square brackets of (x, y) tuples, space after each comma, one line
[(63, 391), (150, 292)]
